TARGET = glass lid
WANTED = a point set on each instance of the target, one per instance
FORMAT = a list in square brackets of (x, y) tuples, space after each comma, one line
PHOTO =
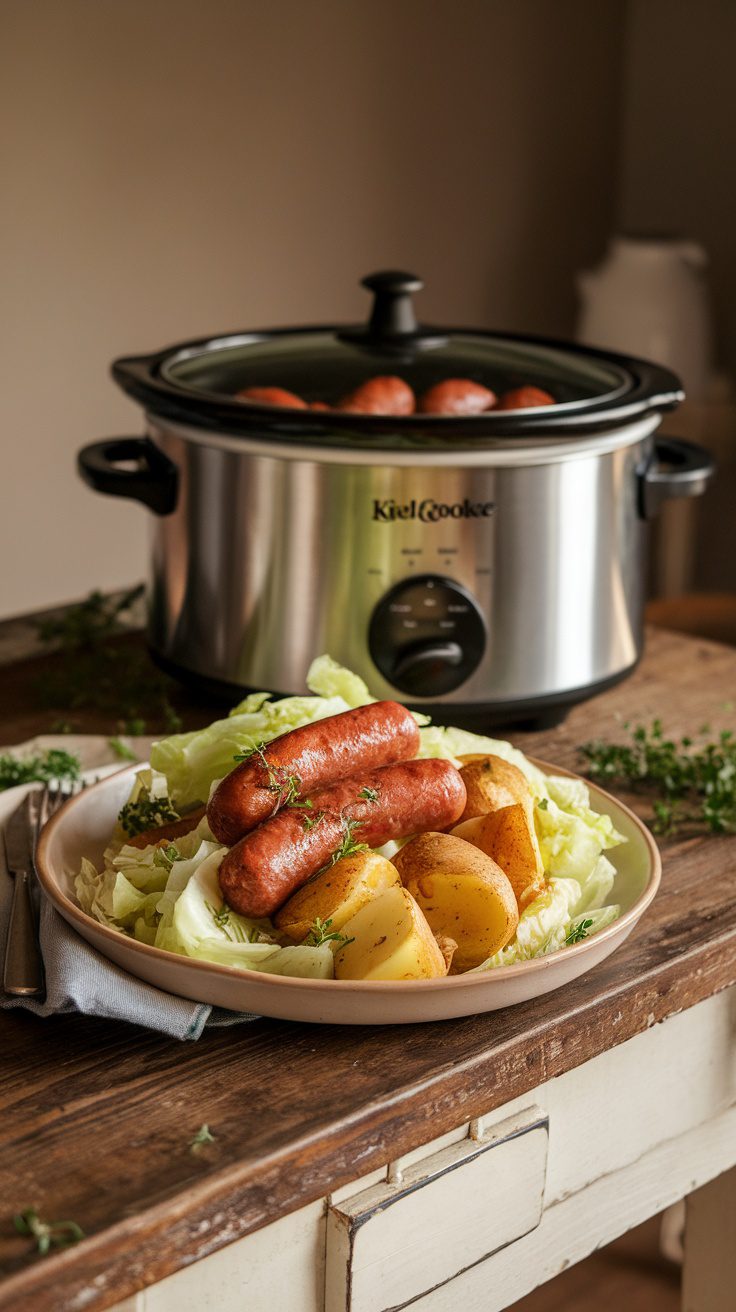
[(394, 378)]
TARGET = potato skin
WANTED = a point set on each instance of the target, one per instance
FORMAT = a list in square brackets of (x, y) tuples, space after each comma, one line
[(336, 894), (507, 836), (491, 782), (391, 940), (463, 894)]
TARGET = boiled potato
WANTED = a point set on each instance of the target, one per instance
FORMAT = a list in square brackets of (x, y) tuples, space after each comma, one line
[(390, 940), (462, 893), (336, 894), (508, 837), (492, 783), (448, 948)]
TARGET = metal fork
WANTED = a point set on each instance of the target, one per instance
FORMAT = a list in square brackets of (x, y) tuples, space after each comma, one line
[(23, 973)]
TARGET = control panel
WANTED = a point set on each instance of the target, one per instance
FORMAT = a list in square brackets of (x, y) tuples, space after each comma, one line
[(427, 635)]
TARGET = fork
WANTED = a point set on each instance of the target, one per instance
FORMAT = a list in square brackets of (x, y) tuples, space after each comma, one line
[(23, 973)]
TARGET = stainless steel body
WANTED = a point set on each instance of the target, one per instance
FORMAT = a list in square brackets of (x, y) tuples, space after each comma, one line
[(273, 555)]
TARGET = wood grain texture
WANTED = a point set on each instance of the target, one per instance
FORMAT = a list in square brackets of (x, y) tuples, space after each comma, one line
[(97, 1117)]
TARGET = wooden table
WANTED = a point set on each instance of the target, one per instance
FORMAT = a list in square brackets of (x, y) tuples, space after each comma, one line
[(566, 1120)]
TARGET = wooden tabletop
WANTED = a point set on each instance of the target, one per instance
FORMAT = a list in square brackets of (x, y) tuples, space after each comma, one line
[(96, 1118)]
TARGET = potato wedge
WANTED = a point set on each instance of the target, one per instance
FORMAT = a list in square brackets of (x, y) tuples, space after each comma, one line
[(492, 783), (508, 837), (390, 940), (336, 894), (463, 894)]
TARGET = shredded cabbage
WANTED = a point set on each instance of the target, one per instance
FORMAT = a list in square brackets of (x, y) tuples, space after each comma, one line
[(170, 896)]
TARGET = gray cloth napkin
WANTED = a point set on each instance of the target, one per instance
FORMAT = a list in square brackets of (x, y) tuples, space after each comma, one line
[(79, 979)]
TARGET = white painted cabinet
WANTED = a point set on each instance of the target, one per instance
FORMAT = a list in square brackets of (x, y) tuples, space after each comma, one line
[(480, 1217)]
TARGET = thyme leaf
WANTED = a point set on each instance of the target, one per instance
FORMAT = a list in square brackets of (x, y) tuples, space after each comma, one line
[(320, 932), (166, 856), (369, 794), (348, 846), (47, 1234), (146, 813), (692, 785), (286, 786), (232, 929), (576, 933), (203, 1135)]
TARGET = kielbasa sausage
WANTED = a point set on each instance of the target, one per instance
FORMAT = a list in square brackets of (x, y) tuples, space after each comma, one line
[(308, 758)]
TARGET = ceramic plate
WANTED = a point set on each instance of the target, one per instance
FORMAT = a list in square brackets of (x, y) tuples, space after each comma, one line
[(83, 826)]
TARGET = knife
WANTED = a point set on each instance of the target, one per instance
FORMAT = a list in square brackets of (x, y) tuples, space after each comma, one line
[(23, 974)]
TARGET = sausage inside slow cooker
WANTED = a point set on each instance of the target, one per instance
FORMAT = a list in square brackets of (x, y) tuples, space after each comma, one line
[(390, 395)]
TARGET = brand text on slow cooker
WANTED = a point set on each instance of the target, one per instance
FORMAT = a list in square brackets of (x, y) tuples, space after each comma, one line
[(430, 512)]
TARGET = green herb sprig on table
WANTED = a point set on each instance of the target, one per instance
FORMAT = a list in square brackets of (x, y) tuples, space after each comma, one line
[(692, 785), (204, 1135), (95, 667), (42, 768), (47, 1234)]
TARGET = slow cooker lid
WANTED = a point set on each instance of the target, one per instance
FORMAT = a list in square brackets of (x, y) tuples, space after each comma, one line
[(198, 382)]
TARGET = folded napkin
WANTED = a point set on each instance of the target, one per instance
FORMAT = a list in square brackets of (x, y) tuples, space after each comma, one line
[(77, 977)]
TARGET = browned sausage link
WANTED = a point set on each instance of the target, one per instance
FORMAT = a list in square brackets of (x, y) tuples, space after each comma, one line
[(456, 396), (271, 396), (166, 833), (269, 864), (524, 398), (297, 763), (380, 396)]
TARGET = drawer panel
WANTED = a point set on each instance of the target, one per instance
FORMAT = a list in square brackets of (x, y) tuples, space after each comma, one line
[(394, 1242)]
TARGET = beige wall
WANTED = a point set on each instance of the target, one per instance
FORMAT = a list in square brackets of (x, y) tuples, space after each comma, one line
[(678, 156), (171, 167)]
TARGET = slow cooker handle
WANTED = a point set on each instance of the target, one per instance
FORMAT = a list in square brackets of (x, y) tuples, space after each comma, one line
[(154, 481), (676, 469)]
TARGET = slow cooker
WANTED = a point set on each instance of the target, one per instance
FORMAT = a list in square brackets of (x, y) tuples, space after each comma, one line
[(485, 567)]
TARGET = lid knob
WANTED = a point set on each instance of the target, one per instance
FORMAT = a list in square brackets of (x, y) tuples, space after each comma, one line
[(393, 310)]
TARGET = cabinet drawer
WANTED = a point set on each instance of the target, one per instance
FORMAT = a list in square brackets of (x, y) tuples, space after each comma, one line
[(393, 1242)]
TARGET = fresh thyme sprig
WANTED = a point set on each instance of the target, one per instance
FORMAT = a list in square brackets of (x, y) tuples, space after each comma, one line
[(287, 786), (310, 821), (693, 786), (320, 932), (348, 846), (232, 929), (204, 1135), (95, 666), (368, 794), (47, 1234), (576, 933), (42, 768), (166, 856)]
